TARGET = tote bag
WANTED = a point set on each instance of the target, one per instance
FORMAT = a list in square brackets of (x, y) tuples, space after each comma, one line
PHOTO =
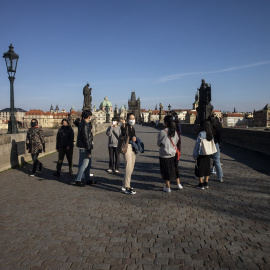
[(208, 147)]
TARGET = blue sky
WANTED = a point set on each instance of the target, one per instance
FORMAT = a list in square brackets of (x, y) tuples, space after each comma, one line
[(162, 49)]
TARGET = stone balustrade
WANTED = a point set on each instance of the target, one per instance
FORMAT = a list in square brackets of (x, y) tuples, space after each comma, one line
[(13, 151)]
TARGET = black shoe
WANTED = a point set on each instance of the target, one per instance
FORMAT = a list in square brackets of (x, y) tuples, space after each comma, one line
[(90, 182), (130, 191), (205, 184), (80, 183), (40, 167), (57, 173), (200, 186)]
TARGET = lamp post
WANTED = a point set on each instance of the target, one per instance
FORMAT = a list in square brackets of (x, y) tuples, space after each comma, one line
[(11, 59)]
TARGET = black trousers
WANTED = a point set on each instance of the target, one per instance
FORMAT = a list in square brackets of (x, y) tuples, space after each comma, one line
[(114, 158), (61, 155), (36, 162)]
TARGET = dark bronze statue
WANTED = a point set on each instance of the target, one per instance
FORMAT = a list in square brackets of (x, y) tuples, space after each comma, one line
[(87, 103), (204, 109)]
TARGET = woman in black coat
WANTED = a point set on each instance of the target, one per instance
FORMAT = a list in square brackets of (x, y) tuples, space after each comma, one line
[(64, 146)]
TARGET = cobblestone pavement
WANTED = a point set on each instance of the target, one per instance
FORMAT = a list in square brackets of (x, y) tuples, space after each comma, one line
[(48, 223)]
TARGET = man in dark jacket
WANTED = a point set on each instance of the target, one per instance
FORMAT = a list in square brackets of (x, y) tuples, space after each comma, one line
[(85, 145), (64, 146)]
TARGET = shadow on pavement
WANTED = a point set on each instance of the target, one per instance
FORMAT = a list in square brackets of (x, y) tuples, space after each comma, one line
[(255, 160)]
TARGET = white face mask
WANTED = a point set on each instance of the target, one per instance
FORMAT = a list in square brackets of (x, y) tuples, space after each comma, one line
[(131, 122), (114, 122)]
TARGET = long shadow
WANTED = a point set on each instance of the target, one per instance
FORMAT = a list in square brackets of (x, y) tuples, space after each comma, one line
[(47, 174), (255, 160)]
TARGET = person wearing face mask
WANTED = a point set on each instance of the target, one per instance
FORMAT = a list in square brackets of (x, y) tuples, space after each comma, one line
[(85, 145), (35, 144), (64, 146), (113, 132), (129, 156)]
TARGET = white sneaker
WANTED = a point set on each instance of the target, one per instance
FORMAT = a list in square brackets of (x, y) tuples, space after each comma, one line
[(180, 186), (167, 189), (116, 171), (123, 188), (109, 170), (221, 180), (91, 174)]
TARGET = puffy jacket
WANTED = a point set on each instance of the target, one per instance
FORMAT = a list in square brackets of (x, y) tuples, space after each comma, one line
[(65, 137), (85, 136)]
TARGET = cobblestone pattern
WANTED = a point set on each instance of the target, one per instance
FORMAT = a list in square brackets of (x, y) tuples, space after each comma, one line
[(48, 223)]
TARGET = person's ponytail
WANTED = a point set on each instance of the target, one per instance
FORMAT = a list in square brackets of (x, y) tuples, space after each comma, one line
[(168, 119)]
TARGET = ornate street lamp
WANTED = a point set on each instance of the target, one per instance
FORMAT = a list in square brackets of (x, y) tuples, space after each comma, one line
[(11, 59), (169, 107)]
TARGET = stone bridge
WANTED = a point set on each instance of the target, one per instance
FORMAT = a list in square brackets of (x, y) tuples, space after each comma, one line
[(48, 223)]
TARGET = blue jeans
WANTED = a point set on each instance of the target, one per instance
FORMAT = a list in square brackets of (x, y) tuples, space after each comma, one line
[(216, 159), (84, 165)]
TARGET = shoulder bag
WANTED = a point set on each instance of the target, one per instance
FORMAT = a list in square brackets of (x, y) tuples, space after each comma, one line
[(178, 154), (208, 147), (123, 143)]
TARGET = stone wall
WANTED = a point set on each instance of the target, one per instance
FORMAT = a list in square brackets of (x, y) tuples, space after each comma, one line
[(257, 140), (14, 153)]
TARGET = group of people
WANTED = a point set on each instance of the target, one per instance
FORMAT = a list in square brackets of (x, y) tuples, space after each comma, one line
[(168, 141)]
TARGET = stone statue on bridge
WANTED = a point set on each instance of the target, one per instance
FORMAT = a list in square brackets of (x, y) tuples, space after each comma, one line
[(204, 109), (87, 103)]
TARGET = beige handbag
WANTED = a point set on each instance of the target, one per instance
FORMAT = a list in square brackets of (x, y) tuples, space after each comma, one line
[(208, 147)]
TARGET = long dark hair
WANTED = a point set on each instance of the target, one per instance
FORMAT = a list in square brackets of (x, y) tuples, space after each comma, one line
[(168, 119), (206, 126), (176, 121), (216, 125)]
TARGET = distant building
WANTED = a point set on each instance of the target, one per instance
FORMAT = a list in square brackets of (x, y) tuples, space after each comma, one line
[(144, 115), (123, 112), (217, 113), (154, 116), (18, 112), (182, 113), (191, 117), (51, 118), (100, 116), (262, 117), (233, 120), (3, 124), (134, 106)]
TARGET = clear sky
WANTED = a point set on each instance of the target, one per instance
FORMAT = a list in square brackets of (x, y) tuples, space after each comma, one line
[(162, 49)]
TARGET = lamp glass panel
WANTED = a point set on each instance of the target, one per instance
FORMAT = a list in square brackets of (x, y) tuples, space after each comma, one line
[(14, 64), (8, 63)]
